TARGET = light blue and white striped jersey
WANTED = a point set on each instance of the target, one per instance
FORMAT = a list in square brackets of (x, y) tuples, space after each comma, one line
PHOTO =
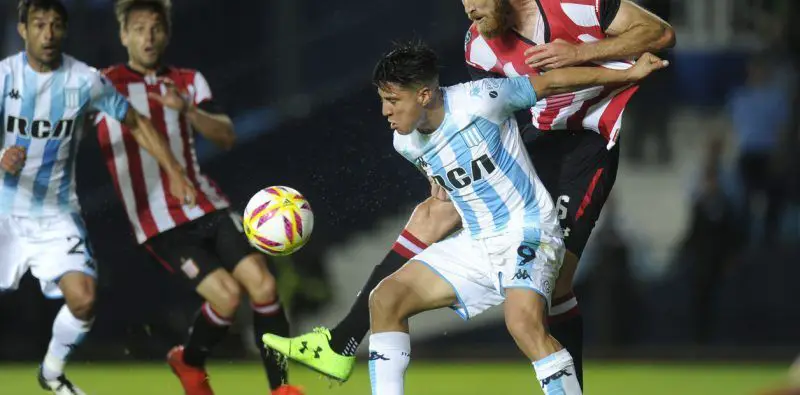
[(478, 156), (44, 113)]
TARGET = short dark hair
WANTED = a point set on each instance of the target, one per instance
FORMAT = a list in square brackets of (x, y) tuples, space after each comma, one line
[(408, 64), (123, 8), (26, 6)]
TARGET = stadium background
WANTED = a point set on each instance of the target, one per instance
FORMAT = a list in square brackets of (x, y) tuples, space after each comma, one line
[(294, 76)]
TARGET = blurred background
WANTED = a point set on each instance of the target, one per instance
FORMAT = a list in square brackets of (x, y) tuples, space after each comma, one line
[(695, 260)]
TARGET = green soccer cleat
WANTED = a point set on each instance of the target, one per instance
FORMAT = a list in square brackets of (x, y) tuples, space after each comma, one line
[(314, 351)]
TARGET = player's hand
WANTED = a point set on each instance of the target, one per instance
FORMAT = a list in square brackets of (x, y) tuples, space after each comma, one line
[(553, 55), (437, 192), (645, 65), (182, 189), (13, 159), (174, 99)]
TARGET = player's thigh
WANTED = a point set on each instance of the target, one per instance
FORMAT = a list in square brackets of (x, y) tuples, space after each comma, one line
[(13, 254), (588, 174), (412, 289), (248, 266), (63, 248), (461, 264), (182, 251), (528, 260), (432, 220)]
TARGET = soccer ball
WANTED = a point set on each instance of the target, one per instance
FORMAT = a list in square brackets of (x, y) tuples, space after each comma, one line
[(278, 220)]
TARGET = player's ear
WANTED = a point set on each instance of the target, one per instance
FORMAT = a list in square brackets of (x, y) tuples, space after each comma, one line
[(424, 95), (123, 36), (23, 32)]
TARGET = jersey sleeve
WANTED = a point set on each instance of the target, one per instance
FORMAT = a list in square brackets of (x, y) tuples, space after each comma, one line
[(105, 98), (498, 98), (607, 12), (202, 91)]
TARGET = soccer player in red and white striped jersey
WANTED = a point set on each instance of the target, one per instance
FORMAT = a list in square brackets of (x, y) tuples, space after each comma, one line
[(205, 242)]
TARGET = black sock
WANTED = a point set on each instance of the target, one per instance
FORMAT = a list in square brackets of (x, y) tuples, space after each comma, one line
[(346, 337), (270, 318), (209, 329), (567, 327)]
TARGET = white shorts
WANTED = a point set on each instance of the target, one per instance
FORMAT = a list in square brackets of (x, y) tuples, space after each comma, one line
[(480, 270), (50, 247)]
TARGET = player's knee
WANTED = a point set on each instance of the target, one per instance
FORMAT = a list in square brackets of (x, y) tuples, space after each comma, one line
[(263, 289), (226, 302), (386, 300), (81, 303), (525, 320)]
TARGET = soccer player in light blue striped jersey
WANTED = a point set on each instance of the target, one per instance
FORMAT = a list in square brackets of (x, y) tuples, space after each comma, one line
[(46, 96), (465, 139)]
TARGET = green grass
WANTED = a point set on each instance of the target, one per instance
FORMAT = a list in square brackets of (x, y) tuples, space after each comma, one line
[(423, 379)]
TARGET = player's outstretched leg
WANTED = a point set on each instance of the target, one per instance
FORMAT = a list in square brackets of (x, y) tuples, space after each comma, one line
[(412, 289), (71, 325), (524, 314), (431, 221), (222, 295), (268, 316)]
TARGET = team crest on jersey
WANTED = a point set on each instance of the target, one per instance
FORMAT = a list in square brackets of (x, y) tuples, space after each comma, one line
[(472, 136), (72, 98), (491, 83), (467, 39)]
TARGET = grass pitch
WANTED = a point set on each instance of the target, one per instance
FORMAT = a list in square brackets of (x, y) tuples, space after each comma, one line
[(424, 378)]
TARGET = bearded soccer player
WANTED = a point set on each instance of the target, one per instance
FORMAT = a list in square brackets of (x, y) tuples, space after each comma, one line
[(204, 244), (46, 96)]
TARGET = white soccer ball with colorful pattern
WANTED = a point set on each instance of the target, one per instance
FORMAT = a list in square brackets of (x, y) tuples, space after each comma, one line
[(278, 220)]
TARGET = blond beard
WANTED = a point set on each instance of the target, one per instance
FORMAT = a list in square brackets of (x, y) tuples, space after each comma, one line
[(500, 20)]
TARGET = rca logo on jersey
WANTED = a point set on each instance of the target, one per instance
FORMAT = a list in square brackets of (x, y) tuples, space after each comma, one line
[(460, 178), (40, 128)]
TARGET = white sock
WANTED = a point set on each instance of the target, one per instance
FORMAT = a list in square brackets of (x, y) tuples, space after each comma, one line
[(68, 332), (556, 374), (389, 355)]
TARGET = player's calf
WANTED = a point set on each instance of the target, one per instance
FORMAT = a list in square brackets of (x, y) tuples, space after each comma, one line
[(222, 294), (268, 316), (524, 314), (71, 325), (565, 320)]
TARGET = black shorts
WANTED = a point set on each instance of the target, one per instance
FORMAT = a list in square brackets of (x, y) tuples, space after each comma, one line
[(197, 248), (579, 172)]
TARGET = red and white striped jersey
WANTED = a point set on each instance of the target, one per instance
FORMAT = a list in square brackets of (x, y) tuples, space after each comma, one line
[(577, 21), (138, 179)]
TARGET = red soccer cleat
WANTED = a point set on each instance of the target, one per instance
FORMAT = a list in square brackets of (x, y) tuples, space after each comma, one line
[(288, 390), (194, 380)]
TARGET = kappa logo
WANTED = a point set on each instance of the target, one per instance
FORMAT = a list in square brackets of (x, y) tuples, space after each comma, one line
[(14, 95), (375, 356)]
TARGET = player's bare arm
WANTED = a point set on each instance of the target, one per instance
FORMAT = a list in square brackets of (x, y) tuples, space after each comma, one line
[(632, 32), (572, 78), (148, 138), (218, 128)]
